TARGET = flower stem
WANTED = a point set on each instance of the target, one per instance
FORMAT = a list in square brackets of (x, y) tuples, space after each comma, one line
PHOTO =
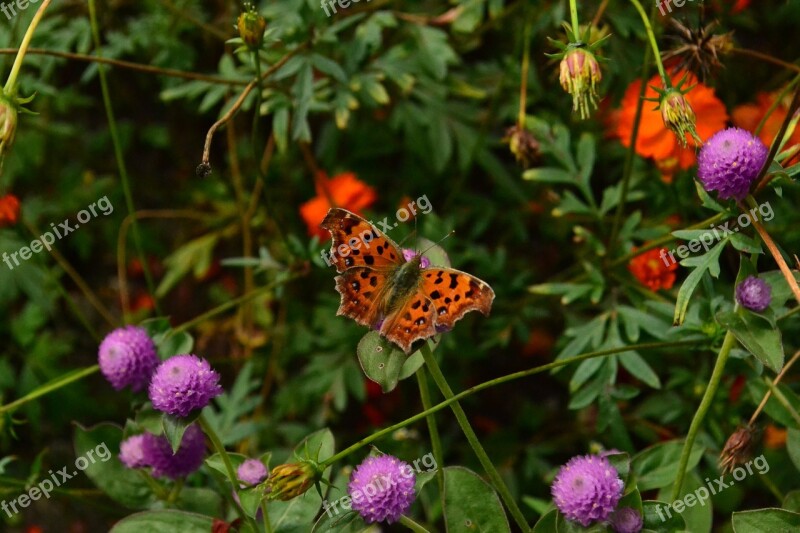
[(53, 385), (523, 82), (494, 382), (226, 460), (573, 15), (265, 517), (652, 38), (413, 526), (777, 380), (773, 249), (705, 404), (11, 84), (433, 430), (472, 438), (118, 155)]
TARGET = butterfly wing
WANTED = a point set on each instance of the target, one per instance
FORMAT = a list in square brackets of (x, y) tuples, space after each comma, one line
[(362, 289), (454, 294), (415, 320), (357, 243)]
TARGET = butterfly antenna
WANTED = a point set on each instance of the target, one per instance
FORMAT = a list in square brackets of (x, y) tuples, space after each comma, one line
[(440, 241)]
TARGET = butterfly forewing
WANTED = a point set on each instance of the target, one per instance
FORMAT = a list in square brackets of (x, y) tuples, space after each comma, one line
[(356, 242)]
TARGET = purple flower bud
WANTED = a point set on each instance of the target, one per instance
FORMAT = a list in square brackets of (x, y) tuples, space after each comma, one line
[(252, 472), (131, 451), (754, 294), (158, 454), (626, 520), (730, 161), (182, 384), (382, 489), (127, 357), (587, 489)]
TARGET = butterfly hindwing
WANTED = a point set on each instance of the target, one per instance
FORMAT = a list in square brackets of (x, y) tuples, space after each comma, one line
[(455, 293), (414, 321), (356, 242), (362, 290)]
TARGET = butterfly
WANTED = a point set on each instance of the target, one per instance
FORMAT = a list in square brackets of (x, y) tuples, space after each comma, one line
[(400, 298)]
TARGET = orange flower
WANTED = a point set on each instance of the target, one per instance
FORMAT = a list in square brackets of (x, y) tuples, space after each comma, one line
[(748, 116), (654, 269), (9, 210), (774, 437), (655, 139), (343, 190)]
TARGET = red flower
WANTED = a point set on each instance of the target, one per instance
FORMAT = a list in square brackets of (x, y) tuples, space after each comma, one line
[(343, 190), (655, 139), (9, 210), (654, 269)]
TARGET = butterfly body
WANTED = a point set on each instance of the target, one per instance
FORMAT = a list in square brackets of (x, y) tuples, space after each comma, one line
[(380, 289)]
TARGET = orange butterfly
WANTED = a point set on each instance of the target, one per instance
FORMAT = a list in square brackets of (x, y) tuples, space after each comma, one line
[(400, 298)]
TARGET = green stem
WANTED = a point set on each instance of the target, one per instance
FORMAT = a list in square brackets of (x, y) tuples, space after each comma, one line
[(628, 169), (11, 84), (493, 382), (53, 385), (652, 38), (118, 155), (175, 492), (265, 517), (413, 526), (472, 438), (155, 486), (226, 460), (523, 84), (573, 15), (705, 404), (778, 100), (433, 430)]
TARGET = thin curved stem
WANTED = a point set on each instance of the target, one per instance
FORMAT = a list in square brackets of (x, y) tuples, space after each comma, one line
[(172, 73), (53, 385), (651, 36), (11, 84), (702, 409), (412, 525), (118, 155), (433, 430), (766, 57), (498, 381), (775, 382), (775, 105)]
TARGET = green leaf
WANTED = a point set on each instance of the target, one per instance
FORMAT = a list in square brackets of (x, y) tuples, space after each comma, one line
[(164, 520), (121, 484), (792, 501), (547, 523), (781, 292), (757, 335), (194, 256), (774, 408), (656, 519), (200, 500), (215, 461), (381, 360), (549, 175), (656, 466), (706, 263), (765, 521), (470, 504), (793, 446), (174, 429), (638, 367), (695, 507)]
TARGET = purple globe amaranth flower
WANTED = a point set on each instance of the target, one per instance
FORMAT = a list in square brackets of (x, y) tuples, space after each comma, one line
[(127, 357), (626, 520), (409, 254), (754, 294), (587, 489), (131, 451), (729, 162), (189, 457), (182, 384), (382, 489), (252, 472)]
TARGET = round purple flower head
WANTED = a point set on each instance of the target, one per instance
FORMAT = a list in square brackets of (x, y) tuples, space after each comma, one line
[(252, 472), (158, 454), (729, 162), (626, 520), (382, 489), (587, 489), (127, 356), (182, 384), (754, 293), (409, 254), (131, 450)]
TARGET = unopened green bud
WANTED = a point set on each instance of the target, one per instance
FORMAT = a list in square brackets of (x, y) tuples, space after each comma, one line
[(678, 116), (291, 480), (251, 28), (8, 124)]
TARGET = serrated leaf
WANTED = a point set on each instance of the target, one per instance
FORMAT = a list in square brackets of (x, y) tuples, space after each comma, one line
[(706, 263)]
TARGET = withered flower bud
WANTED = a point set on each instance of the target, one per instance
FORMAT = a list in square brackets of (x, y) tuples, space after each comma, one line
[(579, 76), (678, 116), (289, 481), (739, 448)]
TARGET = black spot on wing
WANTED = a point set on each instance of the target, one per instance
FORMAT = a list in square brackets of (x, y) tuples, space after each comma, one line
[(368, 259)]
